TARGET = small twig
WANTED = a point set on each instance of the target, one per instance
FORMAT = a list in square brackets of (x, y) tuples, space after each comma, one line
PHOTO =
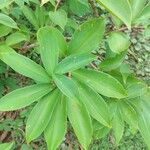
[(68, 38), (4, 135), (26, 47), (122, 29), (111, 139), (125, 28), (30, 46), (57, 4), (2, 114), (68, 140), (93, 66), (69, 74), (34, 145), (133, 28), (7, 70), (131, 53), (95, 12), (99, 56)]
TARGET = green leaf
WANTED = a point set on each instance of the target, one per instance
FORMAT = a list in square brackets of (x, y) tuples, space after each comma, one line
[(80, 121), (137, 7), (100, 131), (3, 68), (144, 119), (67, 86), (4, 30), (58, 17), (7, 21), (147, 33), (29, 14), (128, 113), (74, 62), (118, 125), (15, 38), (112, 63), (87, 37), (136, 89), (119, 8), (79, 7), (71, 26), (125, 71), (41, 115), (51, 43), (5, 3), (23, 97), (53, 2), (35, 1), (6, 146), (40, 14), (23, 65), (101, 82), (117, 22), (146, 96), (109, 53), (95, 104), (145, 14), (118, 42), (56, 129)]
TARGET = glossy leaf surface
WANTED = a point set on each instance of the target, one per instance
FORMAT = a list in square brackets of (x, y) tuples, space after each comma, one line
[(29, 14), (118, 42), (15, 38), (23, 65), (87, 37), (41, 115), (137, 7), (5, 3), (118, 125), (144, 117), (6, 146), (4, 30), (23, 97), (95, 104), (120, 8), (56, 129), (80, 121), (7, 21), (58, 17), (51, 44), (145, 14), (101, 82), (112, 63), (74, 62), (66, 85), (79, 7)]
